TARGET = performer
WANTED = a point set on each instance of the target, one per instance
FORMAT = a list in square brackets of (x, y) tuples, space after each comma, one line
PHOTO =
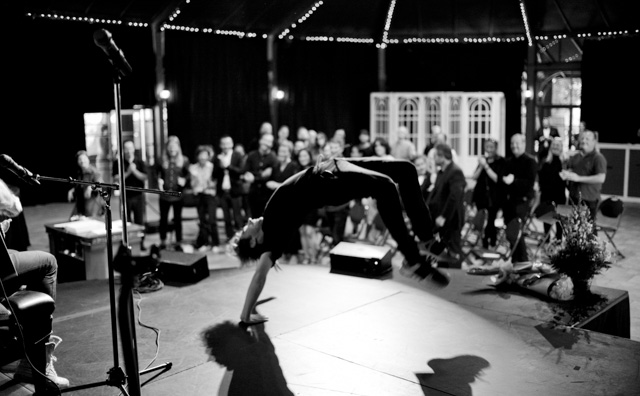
[(335, 182)]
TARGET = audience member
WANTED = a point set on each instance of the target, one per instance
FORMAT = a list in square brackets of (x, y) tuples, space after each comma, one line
[(265, 129), (341, 136), (519, 177), (381, 148), (283, 136), (435, 131), (364, 143), (87, 199), (404, 147), (258, 169), (38, 272), (438, 137), (172, 171), (303, 135), (446, 203), (552, 187), (586, 172), (489, 192), (544, 137), (135, 175), (245, 185), (204, 189), (424, 178), (227, 168)]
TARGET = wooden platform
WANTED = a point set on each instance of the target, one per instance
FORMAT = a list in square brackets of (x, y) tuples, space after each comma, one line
[(336, 334)]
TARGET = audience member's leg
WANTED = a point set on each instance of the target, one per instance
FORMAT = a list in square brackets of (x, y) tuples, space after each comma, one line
[(164, 219), (177, 220)]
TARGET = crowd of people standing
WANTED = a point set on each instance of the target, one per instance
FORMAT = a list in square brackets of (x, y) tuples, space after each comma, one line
[(241, 183)]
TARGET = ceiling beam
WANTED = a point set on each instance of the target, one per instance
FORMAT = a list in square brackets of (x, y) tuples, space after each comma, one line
[(602, 13), (566, 24)]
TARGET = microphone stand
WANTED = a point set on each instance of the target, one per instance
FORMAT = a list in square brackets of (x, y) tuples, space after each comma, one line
[(115, 376)]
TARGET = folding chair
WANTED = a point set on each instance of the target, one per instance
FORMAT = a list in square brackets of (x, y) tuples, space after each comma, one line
[(475, 229), (609, 218), (504, 248)]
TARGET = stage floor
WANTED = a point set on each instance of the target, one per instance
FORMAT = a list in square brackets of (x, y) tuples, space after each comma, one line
[(331, 334)]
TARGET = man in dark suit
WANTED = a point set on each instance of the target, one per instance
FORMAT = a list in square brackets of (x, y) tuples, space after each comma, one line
[(520, 176), (227, 168), (544, 137), (446, 204)]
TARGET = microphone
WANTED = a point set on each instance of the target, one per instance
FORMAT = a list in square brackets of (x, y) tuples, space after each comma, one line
[(22, 172), (104, 40)]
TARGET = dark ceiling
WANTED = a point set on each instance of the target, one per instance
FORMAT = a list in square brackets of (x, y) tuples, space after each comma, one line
[(412, 20)]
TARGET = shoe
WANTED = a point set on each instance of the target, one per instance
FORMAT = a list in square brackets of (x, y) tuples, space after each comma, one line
[(204, 248), (25, 374), (433, 276), (408, 270), (425, 271), (217, 249)]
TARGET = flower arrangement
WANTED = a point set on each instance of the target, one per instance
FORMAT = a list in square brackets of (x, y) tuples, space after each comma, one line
[(580, 255)]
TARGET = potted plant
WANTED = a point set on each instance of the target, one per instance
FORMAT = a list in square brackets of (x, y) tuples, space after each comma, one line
[(580, 255)]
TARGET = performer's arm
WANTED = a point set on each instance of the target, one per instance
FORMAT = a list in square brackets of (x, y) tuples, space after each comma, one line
[(255, 288)]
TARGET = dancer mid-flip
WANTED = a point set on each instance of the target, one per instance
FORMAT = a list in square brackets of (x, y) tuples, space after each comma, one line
[(394, 185)]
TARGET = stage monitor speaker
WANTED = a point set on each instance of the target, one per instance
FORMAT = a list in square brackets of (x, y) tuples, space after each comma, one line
[(360, 259), (183, 267)]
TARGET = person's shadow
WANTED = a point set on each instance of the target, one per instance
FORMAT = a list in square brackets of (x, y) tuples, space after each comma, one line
[(452, 376), (250, 359)]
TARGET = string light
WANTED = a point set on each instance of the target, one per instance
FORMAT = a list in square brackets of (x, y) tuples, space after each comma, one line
[(387, 25), (301, 20), (220, 32), (525, 20), (60, 17)]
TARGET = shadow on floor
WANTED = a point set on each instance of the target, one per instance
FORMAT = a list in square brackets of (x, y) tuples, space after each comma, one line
[(452, 376)]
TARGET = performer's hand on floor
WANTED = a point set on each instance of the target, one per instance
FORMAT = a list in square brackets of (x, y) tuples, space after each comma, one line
[(254, 319)]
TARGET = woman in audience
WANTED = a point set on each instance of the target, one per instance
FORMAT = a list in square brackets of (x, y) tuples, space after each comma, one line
[(204, 189), (488, 193), (381, 148), (173, 171)]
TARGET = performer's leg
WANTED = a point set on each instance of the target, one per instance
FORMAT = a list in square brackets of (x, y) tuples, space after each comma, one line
[(405, 175), (354, 182)]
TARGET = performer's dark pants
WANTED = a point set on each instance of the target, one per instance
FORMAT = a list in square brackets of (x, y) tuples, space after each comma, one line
[(393, 184)]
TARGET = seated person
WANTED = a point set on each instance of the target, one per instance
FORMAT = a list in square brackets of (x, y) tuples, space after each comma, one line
[(38, 271)]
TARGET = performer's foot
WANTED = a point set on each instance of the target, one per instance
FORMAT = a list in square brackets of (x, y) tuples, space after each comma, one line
[(425, 271)]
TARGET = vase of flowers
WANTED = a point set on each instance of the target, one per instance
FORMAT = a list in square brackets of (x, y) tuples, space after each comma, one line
[(580, 255)]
